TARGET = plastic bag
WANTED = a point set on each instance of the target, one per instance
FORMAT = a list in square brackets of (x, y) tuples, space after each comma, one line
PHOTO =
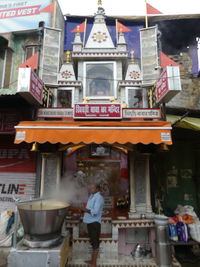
[(5, 238), (195, 231), (187, 209), (173, 232), (182, 231)]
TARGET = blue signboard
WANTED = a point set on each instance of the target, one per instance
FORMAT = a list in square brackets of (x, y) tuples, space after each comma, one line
[(18, 15)]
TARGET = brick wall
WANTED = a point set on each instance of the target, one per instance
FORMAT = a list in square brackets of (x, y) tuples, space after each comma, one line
[(189, 97)]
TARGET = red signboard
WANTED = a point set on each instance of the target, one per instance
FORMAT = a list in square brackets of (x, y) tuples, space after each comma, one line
[(168, 85), (162, 86), (97, 111), (36, 86)]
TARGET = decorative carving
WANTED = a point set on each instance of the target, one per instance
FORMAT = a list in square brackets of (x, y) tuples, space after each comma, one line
[(99, 37), (120, 54), (134, 75), (129, 83), (70, 83), (66, 74)]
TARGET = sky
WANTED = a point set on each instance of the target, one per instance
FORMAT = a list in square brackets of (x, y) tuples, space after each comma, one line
[(129, 7)]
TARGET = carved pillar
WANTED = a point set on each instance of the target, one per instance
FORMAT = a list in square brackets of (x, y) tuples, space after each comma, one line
[(132, 184), (148, 187)]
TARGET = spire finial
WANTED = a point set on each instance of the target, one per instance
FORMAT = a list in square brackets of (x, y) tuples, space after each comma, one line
[(78, 29), (132, 56), (99, 3), (68, 56)]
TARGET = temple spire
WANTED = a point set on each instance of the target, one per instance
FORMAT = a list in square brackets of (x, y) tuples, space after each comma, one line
[(121, 43), (99, 36), (133, 72)]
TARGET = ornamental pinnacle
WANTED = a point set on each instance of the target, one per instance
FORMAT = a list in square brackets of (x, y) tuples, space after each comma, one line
[(100, 3)]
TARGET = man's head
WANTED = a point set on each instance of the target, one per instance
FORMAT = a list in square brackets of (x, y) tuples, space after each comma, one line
[(94, 188)]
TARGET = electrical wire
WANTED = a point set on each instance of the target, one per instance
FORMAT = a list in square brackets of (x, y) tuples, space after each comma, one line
[(9, 85), (113, 80), (117, 80)]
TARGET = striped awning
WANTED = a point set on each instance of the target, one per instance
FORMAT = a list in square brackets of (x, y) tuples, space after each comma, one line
[(190, 123), (87, 132)]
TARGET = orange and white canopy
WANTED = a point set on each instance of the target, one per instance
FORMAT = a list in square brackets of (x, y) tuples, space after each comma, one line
[(87, 132)]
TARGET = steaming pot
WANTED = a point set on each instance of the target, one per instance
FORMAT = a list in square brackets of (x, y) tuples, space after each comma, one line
[(42, 219)]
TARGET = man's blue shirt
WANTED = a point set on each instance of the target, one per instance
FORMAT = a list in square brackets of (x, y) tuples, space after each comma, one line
[(95, 205)]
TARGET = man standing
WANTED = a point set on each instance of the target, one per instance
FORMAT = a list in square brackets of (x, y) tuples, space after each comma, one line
[(92, 217)]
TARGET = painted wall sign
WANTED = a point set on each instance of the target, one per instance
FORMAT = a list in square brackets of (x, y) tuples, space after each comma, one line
[(29, 85), (17, 159), (55, 113), (97, 111), (17, 174), (168, 84), (16, 186), (18, 15), (144, 113)]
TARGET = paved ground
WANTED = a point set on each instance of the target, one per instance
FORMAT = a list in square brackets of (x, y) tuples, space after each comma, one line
[(3, 256), (184, 255)]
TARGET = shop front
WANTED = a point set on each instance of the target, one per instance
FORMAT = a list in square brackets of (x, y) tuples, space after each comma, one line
[(17, 162), (102, 128), (113, 154)]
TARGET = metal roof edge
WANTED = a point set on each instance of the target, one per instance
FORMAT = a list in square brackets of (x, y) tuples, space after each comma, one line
[(5, 92)]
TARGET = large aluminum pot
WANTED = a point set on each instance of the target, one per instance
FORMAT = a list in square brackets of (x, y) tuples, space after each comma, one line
[(42, 218)]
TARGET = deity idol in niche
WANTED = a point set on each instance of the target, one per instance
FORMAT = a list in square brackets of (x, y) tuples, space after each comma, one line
[(99, 87)]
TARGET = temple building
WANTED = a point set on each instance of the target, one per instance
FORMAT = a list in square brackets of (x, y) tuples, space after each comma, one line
[(103, 129)]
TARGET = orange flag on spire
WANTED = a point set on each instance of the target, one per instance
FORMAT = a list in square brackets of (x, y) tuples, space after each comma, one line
[(80, 27), (121, 27), (49, 8), (152, 10), (31, 62)]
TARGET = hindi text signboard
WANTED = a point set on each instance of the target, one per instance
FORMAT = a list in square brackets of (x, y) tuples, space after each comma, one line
[(168, 84), (97, 111), (143, 113), (55, 113)]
